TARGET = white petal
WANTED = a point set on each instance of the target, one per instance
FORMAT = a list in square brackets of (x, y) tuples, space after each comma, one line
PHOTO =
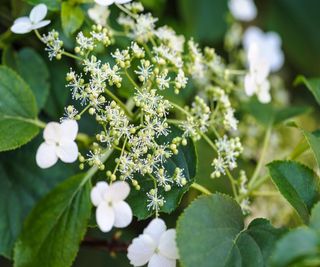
[(168, 246), (249, 85), (252, 35), (158, 260), (155, 229), (69, 129), (21, 25), (52, 132), (104, 2), (46, 156), (122, 1), (244, 10), (141, 250), (38, 13), (40, 24), (105, 217), (123, 214), (67, 151), (119, 191), (97, 193)]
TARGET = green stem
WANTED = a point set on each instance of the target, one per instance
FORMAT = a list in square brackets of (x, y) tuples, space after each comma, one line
[(120, 103), (71, 55), (92, 171), (126, 11), (201, 189), (260, 164), (131, 80)]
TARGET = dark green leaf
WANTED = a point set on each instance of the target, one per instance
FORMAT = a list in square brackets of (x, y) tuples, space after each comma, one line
[(312, 84), (58, 95), (210, 233), (53, 231), (51, 4), (206, 19), (267, 114), (72, 18), (22, 184), (32, 68), (18, 111), (281, 15), (186, 160), (297, 183)]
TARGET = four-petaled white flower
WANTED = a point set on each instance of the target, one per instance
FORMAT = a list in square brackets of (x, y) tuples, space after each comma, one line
[(110, 2), (156, 245), (34, 21), (268, 44), (256, 81), (59, 143), (111, 210), (244, 10), (99, 14)]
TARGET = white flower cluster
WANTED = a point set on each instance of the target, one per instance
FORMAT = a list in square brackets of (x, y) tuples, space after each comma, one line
[(228, 151), (263, 51), (54, 44)]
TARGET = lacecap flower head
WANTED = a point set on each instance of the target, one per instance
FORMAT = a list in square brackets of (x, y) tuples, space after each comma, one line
[(34, 21)]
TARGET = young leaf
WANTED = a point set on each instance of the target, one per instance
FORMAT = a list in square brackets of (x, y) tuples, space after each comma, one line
[(22, 184), (186, 160), (210, 233), (297, 183), (72, 18), (52, 232), (32, 68), (18, 111), (312, 84)]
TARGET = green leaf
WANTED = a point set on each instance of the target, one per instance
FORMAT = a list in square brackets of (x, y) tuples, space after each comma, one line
[(51, 4), (267, 114), (53, 231), (300, 247), (312, 84), (22, 184), (279, 13), (59, 94), (18, 111), (186, 160), (210, 233), (206, 19), (32, 68), (297, 183), (72, 18), (314, 143), (295, 247), (315, 217)]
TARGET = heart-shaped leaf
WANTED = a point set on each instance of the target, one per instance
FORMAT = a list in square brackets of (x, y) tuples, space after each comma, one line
[(210, 233)]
